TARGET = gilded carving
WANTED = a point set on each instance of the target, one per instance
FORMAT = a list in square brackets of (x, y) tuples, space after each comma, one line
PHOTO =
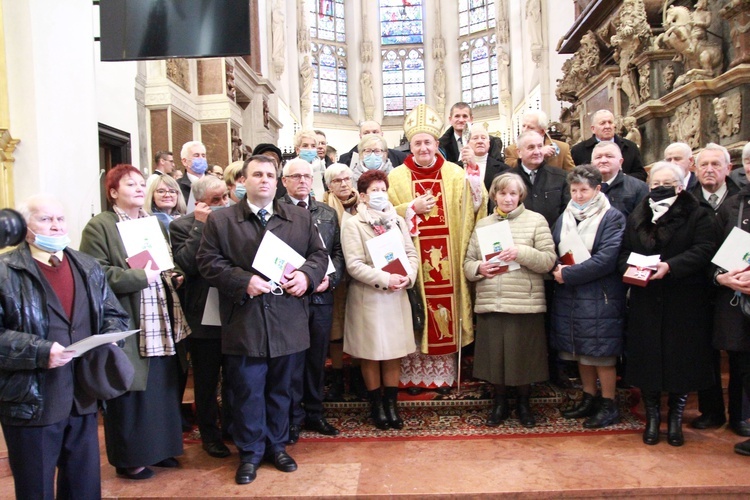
[(178, 71), (686, 125), (728, 111), (632, 37)]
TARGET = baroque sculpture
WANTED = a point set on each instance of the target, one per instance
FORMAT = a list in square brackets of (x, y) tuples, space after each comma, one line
[(631, 38), (278, 40), (686, 125), (306, 84), (632, 133), (303, 33), (687, 33), (578, 69), (534, 26), (728, 111), (368, 94), (501, 27), (644, 82), (667, 77)]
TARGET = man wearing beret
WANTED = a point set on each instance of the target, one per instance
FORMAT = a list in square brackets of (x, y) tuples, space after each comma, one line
[(50, 297)]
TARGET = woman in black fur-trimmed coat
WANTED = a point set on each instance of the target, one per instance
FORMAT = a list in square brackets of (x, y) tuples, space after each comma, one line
[(668, 339)]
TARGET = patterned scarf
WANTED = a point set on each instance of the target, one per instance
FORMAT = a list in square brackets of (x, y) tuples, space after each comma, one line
[(341, 206), (158, 335), (380, 222), (584, 223)]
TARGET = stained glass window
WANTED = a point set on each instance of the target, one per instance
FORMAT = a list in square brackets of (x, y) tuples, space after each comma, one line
[(401, 35), (475, 16), (401, 22), (329, 52), (477, 43)]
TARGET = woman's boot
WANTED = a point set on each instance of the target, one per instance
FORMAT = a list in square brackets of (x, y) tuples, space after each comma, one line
[(585, 408), (499, 411), (674, 422), (523, 408), (607, 414), (651, 400), (390, 404), (377, 412)]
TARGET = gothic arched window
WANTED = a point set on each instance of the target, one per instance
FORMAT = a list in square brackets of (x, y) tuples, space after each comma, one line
[(402, 55), (326, 20), (477, 39)]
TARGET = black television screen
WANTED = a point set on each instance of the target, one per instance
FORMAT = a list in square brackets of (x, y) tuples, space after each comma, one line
[(157, 29)]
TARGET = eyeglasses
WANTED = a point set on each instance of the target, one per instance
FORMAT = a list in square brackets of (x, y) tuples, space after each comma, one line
[(298, 177), (165, 191), (348, 180), (373, 151)]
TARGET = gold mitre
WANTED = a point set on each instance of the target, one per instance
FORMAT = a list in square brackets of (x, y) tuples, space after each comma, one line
[(423, 119)]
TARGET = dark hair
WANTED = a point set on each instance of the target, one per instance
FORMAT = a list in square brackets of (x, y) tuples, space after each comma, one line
[(112, 180), (585, 174), (161, 155), (320, 132), (369, 177), (258, 158), (460, 105)]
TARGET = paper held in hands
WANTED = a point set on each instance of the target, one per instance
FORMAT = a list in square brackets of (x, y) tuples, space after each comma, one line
[(493, 239), (640, 269), (85, 345), (144, 234), (734, 253), (388, 253), (275, 258), (572, 250)]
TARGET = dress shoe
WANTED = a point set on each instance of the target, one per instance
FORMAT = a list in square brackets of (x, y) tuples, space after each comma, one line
[(499, 413), (246, 473), (145, 473), (168, 463), (282, 461), (741, 428), (321, 426), (743, 448), (708, 420), (217, 449), (293, 434)]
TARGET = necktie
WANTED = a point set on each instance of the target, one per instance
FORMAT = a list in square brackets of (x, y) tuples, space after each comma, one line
[(532, 175), (460, 142), (605, 187), (713, 200), (262, 216), (54, 261), (302, 204)]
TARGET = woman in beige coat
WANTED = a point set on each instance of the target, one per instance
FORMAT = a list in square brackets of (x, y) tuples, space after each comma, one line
[(378, 325), (511, 347)]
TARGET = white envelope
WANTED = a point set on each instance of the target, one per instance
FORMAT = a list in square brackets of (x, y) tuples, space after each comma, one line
[(496, 238), (644, 261), (734, 253), (273, 255), (89, 343), (145, 234)]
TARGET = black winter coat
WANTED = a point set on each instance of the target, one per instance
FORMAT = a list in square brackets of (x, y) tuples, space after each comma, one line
[(588, 310), (550, 193), (731, 327), (24, 350), (668, 339), (631, 155)]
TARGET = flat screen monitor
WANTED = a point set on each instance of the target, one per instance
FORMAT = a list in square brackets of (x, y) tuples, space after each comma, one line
[(158, 29)]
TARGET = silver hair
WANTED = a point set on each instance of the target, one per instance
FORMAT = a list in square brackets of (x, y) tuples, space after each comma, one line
[(28, 206), (185, 151), (599, 112), (295, 161), (476, 128), (205, 184), (371, 138), (679, 175), (529, 133), (606, 144), (712, 146), (746, 151), (542, 120), (686, 149), (336, 169)]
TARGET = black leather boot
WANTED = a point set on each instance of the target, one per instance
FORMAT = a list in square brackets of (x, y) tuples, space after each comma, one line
[(336, 389), (607, 414), (674, 422), (585, 408), (499, 411), (651, 400), (525, 415), (377, 412), (390, 404)]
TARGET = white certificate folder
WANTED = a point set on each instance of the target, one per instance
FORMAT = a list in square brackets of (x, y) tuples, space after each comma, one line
[(493, 239), (274, 258), (734, 253)]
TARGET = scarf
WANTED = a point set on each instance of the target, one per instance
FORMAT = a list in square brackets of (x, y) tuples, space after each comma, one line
[(584, 223), (380, 222), (158, 336), (358, 167), (659, 208), (339, 206)]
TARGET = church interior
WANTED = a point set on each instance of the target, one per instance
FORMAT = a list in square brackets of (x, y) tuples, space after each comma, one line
[(669, 70)]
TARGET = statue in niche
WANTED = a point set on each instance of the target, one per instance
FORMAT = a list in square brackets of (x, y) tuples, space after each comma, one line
[(644, 82), (687, 33), (365, 51), (503, 64), (502, 30), (368, 94), (668, 76), (438, 48), (231, 88), (306, 84), (236, 145), (534, 27), (630, 125), (303, 32), (438, 85), (266, 114), (686, 125), (278, 38), (632, 37), (728, 111)]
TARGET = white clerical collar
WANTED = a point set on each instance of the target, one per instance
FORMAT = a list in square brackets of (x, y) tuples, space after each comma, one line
[(720, 193), (254, 209)]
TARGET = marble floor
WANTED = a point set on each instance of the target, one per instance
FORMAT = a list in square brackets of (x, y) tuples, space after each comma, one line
[(542, 467)]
